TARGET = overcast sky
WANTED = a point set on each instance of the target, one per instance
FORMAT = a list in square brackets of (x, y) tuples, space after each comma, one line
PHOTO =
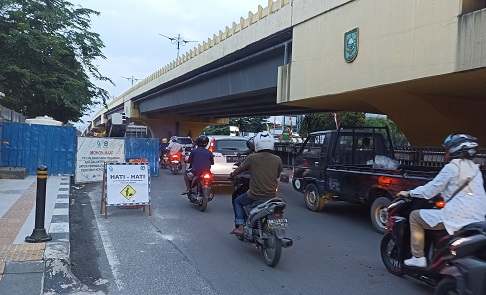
[(130, 31)]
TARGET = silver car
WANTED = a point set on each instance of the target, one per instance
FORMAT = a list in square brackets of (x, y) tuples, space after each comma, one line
[(227, 151)]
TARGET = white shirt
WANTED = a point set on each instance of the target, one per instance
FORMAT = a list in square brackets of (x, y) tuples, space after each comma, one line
[(174, 147), (467, 206)]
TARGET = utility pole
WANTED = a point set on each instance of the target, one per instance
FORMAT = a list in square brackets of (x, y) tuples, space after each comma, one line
[(178, 41), (131, 79)]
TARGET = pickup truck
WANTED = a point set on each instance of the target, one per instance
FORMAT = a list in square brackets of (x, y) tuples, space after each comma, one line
[(356, 165)]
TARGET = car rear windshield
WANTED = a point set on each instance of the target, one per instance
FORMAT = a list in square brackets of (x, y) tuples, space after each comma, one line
[(231, 145), (184, 140)]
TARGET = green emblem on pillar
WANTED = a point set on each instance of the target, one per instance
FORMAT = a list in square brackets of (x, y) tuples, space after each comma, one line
[(351, 45)]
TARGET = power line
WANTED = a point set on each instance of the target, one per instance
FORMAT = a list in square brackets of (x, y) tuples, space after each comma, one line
[(178, 41)]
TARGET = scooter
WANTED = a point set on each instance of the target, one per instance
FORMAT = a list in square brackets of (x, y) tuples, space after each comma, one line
[(163, 160), (265, 224), (439, 246), (175, 164), (203, 193)]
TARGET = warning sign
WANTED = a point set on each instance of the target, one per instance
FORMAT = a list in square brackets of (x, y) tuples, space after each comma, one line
[(128, 192), (127, 184)]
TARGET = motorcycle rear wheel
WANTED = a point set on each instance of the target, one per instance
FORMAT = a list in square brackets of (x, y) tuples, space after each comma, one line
[(272, 248), (446, 286), (389, 255), (175, 170), (203, 205)]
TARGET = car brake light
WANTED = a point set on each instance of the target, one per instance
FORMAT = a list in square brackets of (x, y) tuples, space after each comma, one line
[(211, 145), (207, 176)]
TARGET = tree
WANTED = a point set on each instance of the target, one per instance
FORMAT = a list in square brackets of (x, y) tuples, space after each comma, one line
[(249, 124), (46, 59), (244, 124), (326, 121), (397, 136)]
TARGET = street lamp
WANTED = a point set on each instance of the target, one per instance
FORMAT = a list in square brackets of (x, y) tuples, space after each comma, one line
[(177, 40), (131, 79)]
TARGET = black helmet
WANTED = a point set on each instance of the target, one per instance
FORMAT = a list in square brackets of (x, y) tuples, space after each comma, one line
[(202, 141), (460, 146)]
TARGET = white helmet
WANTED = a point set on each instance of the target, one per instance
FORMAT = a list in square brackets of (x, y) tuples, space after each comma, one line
[(263, 141)]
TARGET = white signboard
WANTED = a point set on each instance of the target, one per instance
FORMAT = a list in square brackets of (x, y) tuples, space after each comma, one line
[(91, 155), (127, 184)]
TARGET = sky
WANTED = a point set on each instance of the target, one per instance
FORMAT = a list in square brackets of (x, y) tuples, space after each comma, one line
[(130, 31)]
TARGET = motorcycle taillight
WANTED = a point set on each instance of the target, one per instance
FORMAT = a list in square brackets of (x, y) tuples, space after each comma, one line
[(440, 204), (175, 157), (207, 176)]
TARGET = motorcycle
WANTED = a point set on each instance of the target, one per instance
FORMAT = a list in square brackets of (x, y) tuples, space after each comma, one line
[(175, 164), (203, 192), (444, 252), (163, 160), (187, 153), (265, 224)]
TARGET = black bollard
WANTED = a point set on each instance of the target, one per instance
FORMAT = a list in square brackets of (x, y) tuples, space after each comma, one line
[(39, 234)]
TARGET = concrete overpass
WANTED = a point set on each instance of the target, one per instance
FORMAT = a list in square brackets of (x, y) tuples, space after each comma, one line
[(422, 63)]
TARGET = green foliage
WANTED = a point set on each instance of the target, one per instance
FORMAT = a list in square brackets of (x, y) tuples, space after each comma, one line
[(216, 130), (397, 136), (245, 124), (325, 121), (47, 54), (249, 124)]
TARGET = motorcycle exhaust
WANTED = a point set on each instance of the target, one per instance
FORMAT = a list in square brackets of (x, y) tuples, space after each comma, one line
[(286, 242)]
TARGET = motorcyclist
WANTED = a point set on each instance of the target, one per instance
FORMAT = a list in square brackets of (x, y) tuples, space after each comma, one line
[(174, 147), (461, 185), (265, 169), (200, 161), (162, 148)]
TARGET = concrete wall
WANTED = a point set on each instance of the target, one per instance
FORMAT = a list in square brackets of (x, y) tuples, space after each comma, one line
[(398, 41)]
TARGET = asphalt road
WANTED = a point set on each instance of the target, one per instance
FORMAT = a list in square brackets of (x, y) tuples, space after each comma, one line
[(180, 250)]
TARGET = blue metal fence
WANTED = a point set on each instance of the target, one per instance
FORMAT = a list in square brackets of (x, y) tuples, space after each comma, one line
[(32, 145), (148, 148)]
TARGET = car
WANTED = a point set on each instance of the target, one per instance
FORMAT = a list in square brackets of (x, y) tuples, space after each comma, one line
[(227, 151), (185, 141)]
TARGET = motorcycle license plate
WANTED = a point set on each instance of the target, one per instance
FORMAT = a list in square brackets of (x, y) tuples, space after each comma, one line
[(174, 162), (277, 223)]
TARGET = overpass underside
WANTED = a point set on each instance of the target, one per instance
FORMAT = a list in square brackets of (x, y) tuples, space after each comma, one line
[(426, 110)]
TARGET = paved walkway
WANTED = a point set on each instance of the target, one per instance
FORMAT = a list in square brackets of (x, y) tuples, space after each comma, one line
[(24, 266)]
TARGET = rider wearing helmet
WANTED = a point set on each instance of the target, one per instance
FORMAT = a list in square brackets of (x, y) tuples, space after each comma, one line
[(200, 161), (265, 169), (174, 147), (460, 183), (162, 149)]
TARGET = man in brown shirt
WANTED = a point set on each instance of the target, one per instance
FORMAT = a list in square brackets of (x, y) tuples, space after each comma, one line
[(265, 169)]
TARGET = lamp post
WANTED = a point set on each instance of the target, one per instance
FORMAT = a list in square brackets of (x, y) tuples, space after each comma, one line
[(133, 80), (178, 41)]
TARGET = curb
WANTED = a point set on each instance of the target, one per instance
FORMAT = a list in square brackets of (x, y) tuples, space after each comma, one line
[(57, 272)]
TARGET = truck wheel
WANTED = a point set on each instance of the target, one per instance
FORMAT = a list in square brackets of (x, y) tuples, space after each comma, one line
[(313, 200), (379, 214)]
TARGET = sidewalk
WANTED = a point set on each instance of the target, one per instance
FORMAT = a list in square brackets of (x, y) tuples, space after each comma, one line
[(33, 268)]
